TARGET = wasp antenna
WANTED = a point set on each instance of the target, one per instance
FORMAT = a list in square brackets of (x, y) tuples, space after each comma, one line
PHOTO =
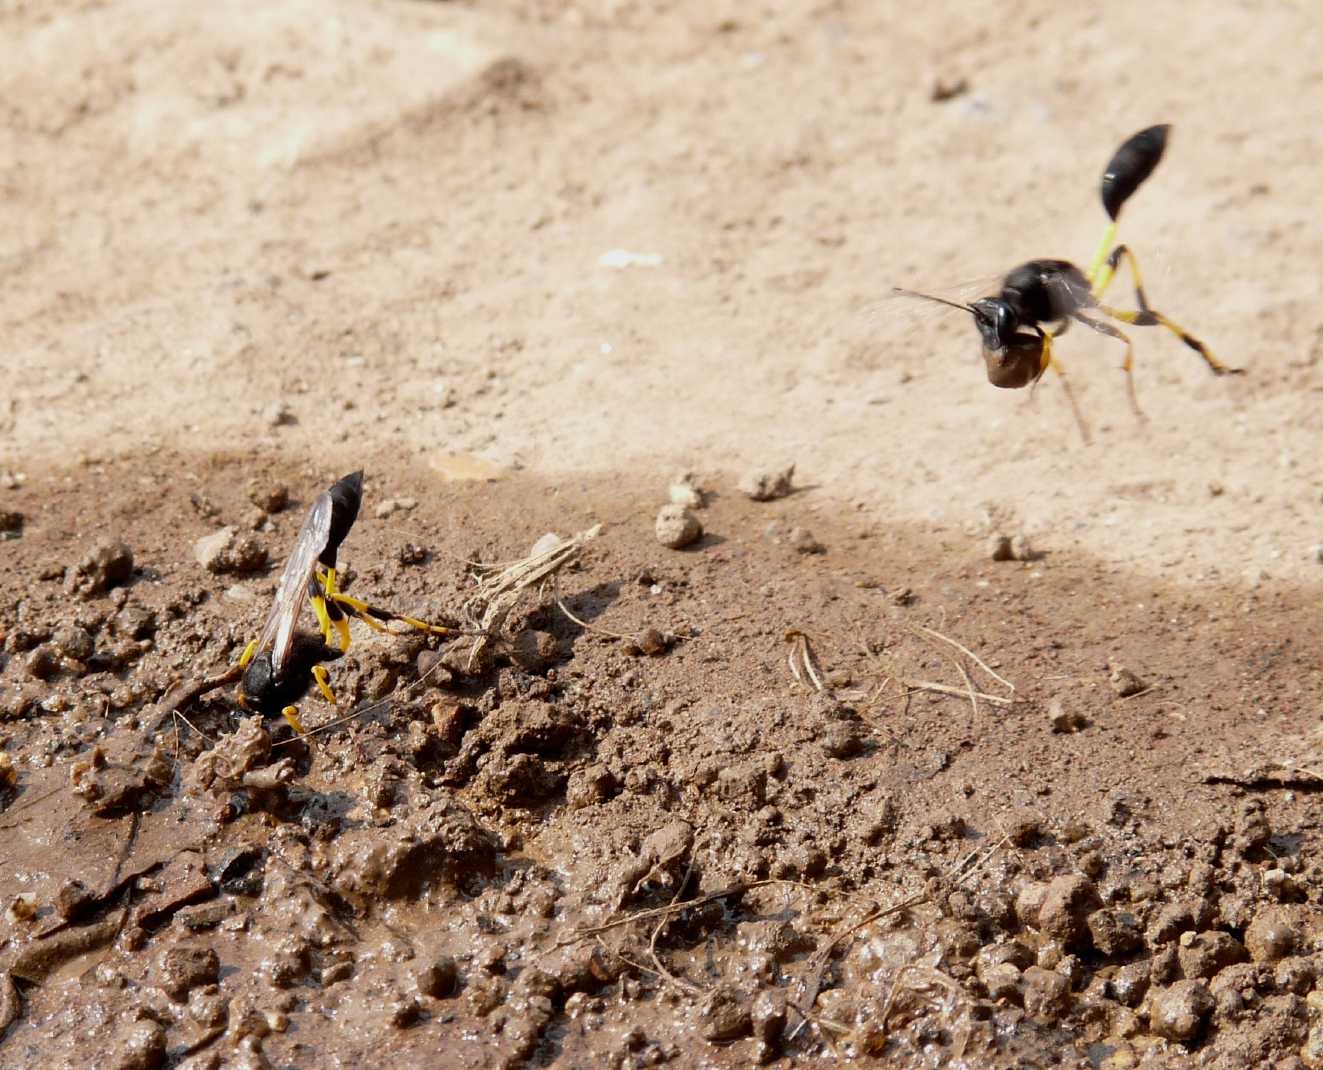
[(930, 297)]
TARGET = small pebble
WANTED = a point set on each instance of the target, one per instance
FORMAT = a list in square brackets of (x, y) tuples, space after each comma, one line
[(279, 414), (944, 89), (652, 642), (391, 506), (1124, 681), (412, 554), (677, 527), (545, 544), (1063, 720)]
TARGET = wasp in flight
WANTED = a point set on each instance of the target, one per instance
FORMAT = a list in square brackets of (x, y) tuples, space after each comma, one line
[(1017, 348), (279, 664)]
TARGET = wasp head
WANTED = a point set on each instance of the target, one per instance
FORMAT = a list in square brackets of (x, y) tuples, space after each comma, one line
[(996, 321)]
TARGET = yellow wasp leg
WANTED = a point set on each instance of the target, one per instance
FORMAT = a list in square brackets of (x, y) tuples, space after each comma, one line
[(373, 616), (1147, 316), (342, 629), (425, 626), (323, 618), (359, 609), (291, 715), (247, 654), (323, 685)]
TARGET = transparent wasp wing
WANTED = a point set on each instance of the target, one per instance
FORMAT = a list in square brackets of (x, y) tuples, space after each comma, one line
[(279, 629)]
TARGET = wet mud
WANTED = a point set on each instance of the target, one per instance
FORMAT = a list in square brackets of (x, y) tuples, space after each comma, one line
[(892, 801)]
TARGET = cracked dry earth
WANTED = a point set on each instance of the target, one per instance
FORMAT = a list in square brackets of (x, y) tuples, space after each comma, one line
[(719, 816)]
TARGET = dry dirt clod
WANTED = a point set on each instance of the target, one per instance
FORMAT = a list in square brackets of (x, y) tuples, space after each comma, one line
[(587, 787), (685, 492), (763, 484), (1181, 1012), (268, 497), (677, 527), (11, 524), (843, 739), (106, 565), (227, 551), (802, 542), (1023, 828)]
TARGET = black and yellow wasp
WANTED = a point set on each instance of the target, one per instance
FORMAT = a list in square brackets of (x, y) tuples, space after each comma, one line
[(280, 664), (1016, 349)]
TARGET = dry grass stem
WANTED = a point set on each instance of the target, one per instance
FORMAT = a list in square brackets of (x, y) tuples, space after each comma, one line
[(500, 591), (943, 689), (803, 662)]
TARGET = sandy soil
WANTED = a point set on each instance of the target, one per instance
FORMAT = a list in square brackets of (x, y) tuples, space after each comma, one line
[(524, 262)]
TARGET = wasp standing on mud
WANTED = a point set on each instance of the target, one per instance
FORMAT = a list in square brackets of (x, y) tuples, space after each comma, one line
[(279, 665), (1017, 350)]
